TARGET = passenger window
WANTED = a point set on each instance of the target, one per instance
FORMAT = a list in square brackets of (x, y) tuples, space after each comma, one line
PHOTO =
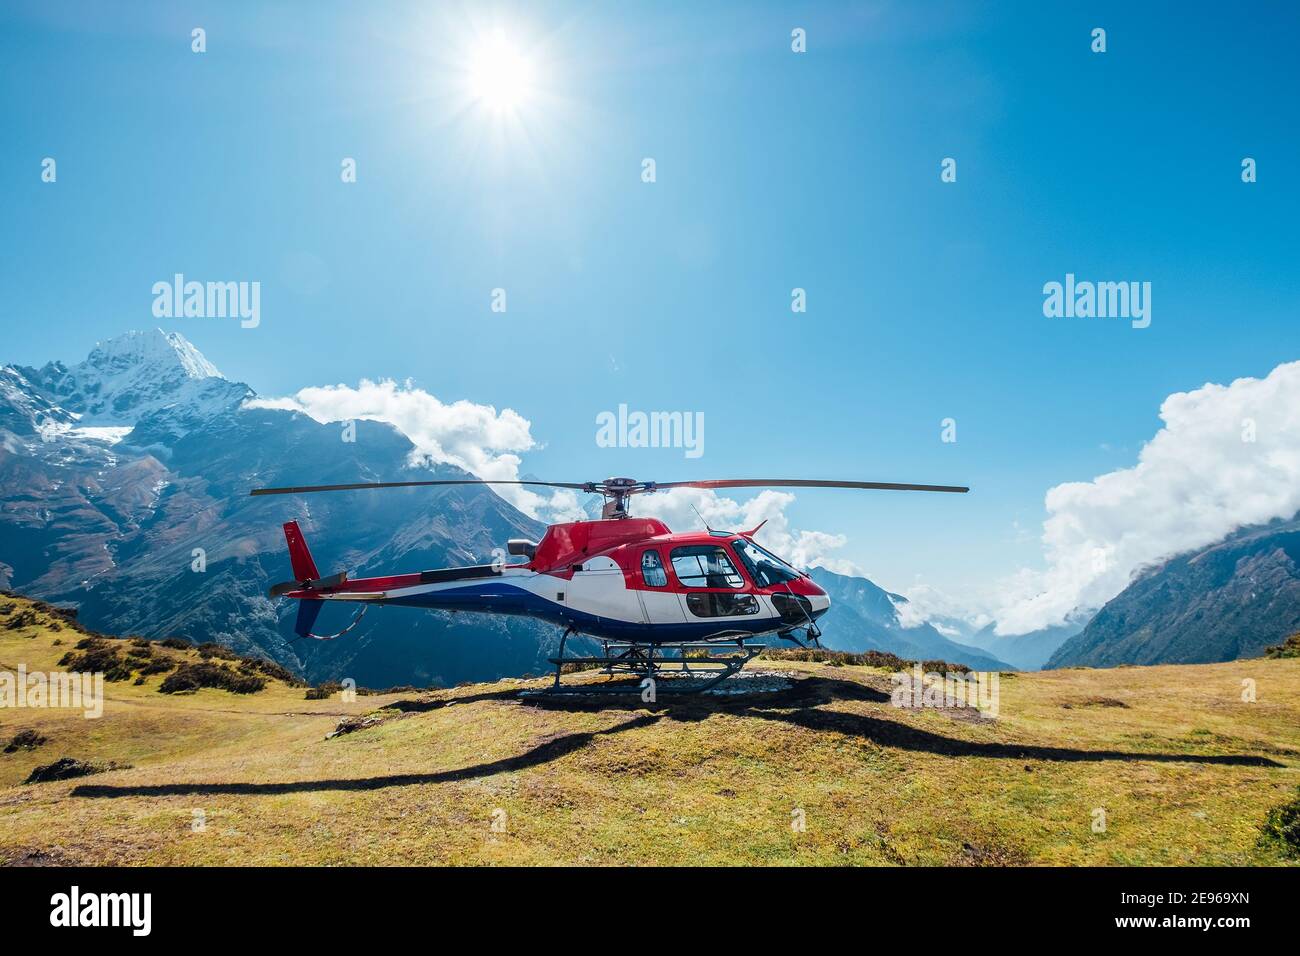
[(721, 604), (652, 570), (705, 566)]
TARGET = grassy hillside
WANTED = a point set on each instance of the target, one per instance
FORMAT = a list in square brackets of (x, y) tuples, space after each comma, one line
[(1183, 768)]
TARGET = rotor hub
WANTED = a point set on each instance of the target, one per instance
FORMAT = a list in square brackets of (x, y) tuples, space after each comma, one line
[(616, 492)]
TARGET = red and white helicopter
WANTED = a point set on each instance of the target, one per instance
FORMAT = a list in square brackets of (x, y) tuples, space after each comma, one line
[(657, 600)]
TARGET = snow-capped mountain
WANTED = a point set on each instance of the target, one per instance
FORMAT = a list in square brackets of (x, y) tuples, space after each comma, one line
[(24, 407), (127, 380)]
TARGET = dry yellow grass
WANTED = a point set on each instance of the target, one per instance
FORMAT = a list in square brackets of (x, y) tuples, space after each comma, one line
[(1184, 770)]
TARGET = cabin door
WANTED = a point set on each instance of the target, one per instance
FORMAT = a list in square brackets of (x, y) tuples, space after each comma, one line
[(658, 603)]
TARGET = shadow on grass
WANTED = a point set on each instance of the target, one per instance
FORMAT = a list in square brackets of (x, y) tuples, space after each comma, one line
[(544, 752), (797, 706), (422, 705)]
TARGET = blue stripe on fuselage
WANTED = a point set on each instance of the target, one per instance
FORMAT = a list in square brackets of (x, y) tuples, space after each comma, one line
[(496, 597)]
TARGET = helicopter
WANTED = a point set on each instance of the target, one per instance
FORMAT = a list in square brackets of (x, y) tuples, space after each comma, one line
[(658, 601)]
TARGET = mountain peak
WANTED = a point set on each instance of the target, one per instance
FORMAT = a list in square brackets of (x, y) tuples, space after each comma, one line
[(167, 352), (131, 376)]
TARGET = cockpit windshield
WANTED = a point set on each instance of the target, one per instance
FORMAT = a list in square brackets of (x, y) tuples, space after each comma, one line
[(764, 567)]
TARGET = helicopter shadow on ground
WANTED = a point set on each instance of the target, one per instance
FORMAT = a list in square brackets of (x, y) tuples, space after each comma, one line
[(424, 705), (550, 749), (800, 706)]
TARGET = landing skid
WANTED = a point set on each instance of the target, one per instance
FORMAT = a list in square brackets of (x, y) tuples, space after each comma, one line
[(642, 661)]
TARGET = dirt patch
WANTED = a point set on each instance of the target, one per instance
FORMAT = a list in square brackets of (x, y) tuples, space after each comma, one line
[(989, 854), (350, 725), (1084, 702), (36, 857)]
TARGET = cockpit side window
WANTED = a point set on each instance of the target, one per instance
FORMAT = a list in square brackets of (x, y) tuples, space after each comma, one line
[(705, 566), (652, 570), (763, 566)]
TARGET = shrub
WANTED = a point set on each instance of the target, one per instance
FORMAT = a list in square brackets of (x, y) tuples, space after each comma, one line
[(401, 689), (323, 691), (66, 614), (158, 665), (65, 768), (819, 655), (97, 657), (191, 677), (24, 618), (30, 616), (271, 669), (569, 667), (213, 649), (944, 667), (25, 740), (1288, 648), (176, 643), (1280, 830)]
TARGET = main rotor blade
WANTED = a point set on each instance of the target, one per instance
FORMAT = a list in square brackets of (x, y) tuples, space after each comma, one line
[(805, 483), (357, 486)]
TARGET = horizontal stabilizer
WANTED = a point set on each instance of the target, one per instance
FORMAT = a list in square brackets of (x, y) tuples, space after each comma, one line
[(321, 584)]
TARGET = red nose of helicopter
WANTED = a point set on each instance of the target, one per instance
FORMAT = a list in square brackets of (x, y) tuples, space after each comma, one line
[(819, 601)]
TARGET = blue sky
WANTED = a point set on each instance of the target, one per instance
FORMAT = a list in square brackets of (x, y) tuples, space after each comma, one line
[(775, 170)]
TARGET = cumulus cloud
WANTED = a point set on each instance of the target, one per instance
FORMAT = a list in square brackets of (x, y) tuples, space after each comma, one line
[(477, 438), (803, 549), (1227, 456), (951, 616)]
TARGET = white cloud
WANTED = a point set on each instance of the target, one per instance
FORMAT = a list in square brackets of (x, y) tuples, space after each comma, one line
[(1196, 481), (951, 616), (477, 438), (564, 505), (803, 549)]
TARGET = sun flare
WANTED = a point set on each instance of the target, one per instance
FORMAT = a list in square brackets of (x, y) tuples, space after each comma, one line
[(500, 76)]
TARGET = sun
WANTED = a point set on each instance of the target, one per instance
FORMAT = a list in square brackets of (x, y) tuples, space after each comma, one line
[(500, 75)]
